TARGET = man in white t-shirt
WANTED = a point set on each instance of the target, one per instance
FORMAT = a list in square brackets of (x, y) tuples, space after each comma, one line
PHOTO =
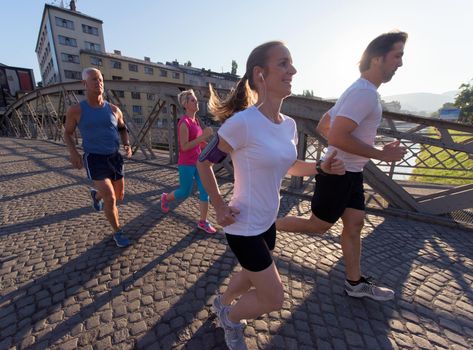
[(350, 127)]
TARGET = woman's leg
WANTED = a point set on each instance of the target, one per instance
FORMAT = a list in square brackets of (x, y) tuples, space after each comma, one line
[(186, 176), (267, 295), (203, 197)]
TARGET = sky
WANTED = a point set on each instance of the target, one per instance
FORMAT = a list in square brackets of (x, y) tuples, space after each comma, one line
[(325, 38)]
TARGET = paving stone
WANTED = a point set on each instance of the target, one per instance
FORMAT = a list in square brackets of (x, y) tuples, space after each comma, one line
[(157, 293)]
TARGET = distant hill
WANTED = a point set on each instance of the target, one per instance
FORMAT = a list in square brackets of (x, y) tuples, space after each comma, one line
[(422, 101)]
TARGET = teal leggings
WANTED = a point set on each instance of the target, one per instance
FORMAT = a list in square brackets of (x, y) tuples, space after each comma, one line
[(187, 173)]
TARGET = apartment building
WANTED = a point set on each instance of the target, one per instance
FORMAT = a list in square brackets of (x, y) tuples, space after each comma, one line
[(114, 66), (62, 34), (69, 41)]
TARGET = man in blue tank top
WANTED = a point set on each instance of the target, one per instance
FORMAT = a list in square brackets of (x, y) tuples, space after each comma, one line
[(101, 125)]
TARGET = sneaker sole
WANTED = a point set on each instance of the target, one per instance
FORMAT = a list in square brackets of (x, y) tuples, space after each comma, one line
[(363, 295), (120, 245), (203, 229)]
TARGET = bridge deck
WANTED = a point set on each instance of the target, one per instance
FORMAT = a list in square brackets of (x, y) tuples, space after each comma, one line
[(64, 284)]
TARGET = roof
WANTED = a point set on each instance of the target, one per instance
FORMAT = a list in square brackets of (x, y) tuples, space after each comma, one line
[(130, 59)]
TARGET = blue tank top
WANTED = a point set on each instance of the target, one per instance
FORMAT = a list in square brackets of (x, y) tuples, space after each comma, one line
[(99, 129)]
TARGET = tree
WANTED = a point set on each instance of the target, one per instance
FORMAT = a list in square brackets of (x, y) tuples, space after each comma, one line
[(464, 101), (234, 67), (308, 93)]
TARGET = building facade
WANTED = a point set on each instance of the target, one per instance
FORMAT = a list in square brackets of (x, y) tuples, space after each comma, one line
[(69, 41), (14, 81), (62, 34)]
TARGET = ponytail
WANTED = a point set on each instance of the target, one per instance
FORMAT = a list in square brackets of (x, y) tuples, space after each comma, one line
[(239, 98)]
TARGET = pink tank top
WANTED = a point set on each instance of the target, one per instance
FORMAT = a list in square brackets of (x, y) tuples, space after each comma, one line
[(190, 156)]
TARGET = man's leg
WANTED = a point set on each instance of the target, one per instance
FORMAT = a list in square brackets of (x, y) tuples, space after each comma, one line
[(119, 188), (357, 285), (353, 220), (107, 192), (298, 224)]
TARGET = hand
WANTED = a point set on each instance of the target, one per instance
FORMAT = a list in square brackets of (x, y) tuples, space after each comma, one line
[(393, 152), (226, 215), (128, 152), (332, 165), (76, 160), (207, 132)]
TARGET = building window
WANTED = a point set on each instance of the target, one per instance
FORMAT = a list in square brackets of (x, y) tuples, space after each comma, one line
[(132, 67), (176, 75), (116, 77), (116, 64), (150, 97), (135, 95), (90, 30), (149, 70), (96, 61), (64, 40), (163, 72), (136, 109), (92, 46), (65, 23), (66, 57), (71, 74), (119, 93)]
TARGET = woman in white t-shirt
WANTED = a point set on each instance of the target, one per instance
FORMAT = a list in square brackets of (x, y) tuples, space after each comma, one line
[(262, 143)]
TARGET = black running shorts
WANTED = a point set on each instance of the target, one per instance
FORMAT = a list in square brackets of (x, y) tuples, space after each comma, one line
[(254, 252), (104, 166), (334, 193)]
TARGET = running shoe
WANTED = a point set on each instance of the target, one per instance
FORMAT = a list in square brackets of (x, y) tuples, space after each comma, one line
[(367, 288), (164, 202), (205, 226), (97, 204)]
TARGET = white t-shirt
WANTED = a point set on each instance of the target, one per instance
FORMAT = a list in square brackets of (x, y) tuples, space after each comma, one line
[(262, 154), (362, 104)]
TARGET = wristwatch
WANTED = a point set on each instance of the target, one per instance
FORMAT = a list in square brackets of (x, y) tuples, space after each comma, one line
[(318, 167)]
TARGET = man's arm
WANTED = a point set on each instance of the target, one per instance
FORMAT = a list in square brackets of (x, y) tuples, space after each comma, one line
[(323, 127), (122, 130), (340, 136), (72, 119)]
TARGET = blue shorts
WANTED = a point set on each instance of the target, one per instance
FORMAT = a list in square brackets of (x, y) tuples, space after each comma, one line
[(104, 166)]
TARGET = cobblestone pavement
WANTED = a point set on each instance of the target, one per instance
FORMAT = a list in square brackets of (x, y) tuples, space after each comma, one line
[(65, 285)]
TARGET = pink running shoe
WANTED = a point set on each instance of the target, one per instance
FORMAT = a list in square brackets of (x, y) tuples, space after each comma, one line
[(205, 226), (164, 202)]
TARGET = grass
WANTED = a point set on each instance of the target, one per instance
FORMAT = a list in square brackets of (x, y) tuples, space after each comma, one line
[(443, 165)]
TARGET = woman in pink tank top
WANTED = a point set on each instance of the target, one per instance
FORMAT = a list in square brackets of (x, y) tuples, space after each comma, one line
[(190, 138)]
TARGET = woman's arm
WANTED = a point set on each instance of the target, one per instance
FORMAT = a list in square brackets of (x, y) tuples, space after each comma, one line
[(185, 144), (225, 214), (330, 165)]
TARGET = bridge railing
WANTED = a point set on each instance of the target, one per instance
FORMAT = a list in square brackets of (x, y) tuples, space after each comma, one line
[(435, 177)]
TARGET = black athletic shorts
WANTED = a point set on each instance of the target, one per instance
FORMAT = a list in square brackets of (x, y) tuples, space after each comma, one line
[(334, 193), (254, 252), (104, 166)]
